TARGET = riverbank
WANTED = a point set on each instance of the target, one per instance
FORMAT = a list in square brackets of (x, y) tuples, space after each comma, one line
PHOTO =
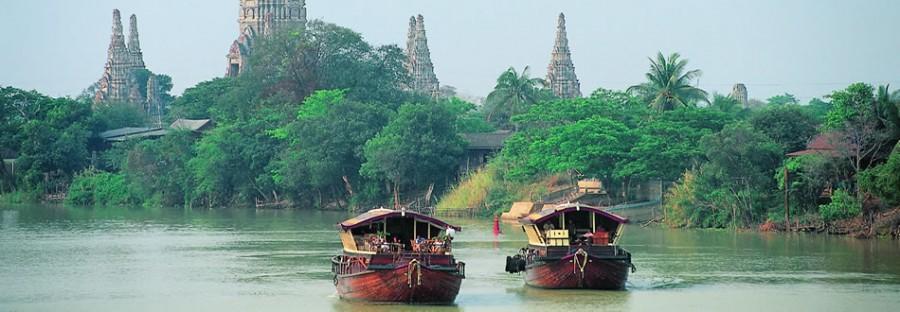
[(883, 224)]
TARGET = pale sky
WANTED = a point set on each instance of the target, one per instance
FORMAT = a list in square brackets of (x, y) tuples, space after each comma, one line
[(805, 47)]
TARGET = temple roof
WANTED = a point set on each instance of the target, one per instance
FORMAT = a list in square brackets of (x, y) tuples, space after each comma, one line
[(195, 125), (486, 141)]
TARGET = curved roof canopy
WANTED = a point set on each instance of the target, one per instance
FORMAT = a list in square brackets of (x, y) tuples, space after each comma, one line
[(378, 215), (547, 214)]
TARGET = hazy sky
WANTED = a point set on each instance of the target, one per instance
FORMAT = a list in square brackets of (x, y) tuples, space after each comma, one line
[(807, 48)]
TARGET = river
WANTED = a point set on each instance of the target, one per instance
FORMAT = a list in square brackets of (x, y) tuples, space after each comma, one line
[(101, 259)]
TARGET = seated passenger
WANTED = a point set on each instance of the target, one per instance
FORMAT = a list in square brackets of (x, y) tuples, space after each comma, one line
[(601, 236)]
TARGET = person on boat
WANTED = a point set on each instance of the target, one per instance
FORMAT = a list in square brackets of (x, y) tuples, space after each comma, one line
[(601, 236), (549, 226), (450, 232), (570, 225)]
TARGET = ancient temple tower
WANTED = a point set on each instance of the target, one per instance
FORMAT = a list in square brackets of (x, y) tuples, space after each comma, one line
[(259, 18), (561, 72), (122, 61), (739, 92), (134, 44), (154, 104), (418, 62)]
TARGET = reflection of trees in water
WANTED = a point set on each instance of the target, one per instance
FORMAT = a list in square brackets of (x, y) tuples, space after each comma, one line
[(9, 219), (561, 298)]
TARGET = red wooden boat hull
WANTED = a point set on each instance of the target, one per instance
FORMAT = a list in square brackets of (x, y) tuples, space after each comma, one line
[(422, 285), (566, 273)]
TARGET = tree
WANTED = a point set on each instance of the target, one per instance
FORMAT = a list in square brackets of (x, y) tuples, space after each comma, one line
[(418, 147), (737, 176), (667, 146), (790, 126), (668, 84), (468, 118), (51, 137), (157, 171), (783, 99), (733, 187), (196, 101), (884, 180), (232, 162), (118, 115), (515, 93), (863, 127), (728, 105), (293, 63), (326, 148)]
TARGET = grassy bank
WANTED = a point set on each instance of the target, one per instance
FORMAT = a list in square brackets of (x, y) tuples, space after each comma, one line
[(487, 190)]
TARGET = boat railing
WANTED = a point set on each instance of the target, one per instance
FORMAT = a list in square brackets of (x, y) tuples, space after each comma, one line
[(432, 246)]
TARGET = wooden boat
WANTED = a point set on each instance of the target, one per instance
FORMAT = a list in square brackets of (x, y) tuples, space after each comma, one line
[(573, 246), (397, 256)]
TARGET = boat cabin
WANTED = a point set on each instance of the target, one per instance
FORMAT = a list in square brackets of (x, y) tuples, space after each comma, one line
[(385, 231), (573, 225)]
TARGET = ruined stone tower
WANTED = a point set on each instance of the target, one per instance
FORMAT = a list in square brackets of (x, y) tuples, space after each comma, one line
[(418, 62), (154, 105), (134, 44), (121, 63), (561, 72), (739, 92), (260, 18)]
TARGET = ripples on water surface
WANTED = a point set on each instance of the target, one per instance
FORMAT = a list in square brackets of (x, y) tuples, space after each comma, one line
[(72, 259)]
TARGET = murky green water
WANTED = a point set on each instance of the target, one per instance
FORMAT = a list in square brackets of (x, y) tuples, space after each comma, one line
[(70, 259)]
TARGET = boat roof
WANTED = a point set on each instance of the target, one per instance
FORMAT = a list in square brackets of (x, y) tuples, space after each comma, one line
[(546, 214), (378, 215)]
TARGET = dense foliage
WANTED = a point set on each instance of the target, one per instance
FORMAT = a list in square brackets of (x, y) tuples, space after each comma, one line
[(724, 163), (322, 118), (319, 118)]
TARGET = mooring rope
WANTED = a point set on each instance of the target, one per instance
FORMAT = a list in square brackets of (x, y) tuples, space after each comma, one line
[(578, 266), (414, 265)]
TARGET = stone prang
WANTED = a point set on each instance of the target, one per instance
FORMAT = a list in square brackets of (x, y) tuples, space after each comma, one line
[(418, 61), (262, 18), (739, 93), (117, 83), (561, 72), (154, 105)]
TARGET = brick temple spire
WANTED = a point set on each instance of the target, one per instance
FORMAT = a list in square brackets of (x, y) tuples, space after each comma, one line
[(561, 72), (112, 86), (134, 43), (419, 65)]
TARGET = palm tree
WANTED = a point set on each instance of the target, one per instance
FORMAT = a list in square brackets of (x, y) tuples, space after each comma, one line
[(668, 84), (887, 108), (514, 93)]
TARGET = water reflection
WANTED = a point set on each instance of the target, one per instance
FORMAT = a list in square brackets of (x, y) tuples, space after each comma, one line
[(10, 218), (358, 306), (115, 259)]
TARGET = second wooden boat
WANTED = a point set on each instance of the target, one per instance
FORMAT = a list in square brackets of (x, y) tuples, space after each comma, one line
[(573, 246)]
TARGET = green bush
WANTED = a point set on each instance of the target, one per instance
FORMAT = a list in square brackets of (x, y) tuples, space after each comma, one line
[(884, 180), (20, 197), (843, 205), (92, 187)]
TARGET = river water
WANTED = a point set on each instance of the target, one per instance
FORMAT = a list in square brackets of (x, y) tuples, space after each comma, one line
[(78, 259)]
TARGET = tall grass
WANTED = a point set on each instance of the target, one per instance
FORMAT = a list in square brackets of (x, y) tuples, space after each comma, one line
[(486, 188), (472, 192)]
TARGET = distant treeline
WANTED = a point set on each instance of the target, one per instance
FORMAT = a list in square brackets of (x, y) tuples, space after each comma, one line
[(321, 118)]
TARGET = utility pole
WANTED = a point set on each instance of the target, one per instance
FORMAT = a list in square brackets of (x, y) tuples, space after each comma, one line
[(787, 199)]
